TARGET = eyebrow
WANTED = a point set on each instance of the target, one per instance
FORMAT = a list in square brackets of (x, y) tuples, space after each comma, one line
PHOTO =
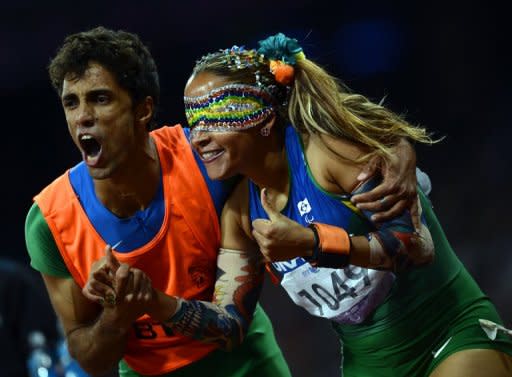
[(91, 93), (68, 96)]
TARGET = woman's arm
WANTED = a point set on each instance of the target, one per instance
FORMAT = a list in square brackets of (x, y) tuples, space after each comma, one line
[(394, 244), (226, 319), (240, 271)]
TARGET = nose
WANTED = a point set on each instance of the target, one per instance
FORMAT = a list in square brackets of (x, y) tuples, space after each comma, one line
[(85, 116)]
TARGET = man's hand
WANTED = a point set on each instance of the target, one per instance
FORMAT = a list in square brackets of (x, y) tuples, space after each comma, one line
[(397, 191), (132, 285), (280, 238), (100, 285), (111, 282)]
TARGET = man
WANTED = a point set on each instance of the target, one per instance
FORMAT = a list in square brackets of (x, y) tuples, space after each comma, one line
[(143, 193)]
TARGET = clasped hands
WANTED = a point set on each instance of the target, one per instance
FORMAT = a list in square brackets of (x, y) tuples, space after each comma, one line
[(112, 283)]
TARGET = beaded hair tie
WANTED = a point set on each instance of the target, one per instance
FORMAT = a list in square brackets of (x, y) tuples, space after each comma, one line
[(283, 53), (232, 107)]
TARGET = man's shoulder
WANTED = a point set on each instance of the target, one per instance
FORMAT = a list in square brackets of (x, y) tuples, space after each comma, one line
[(166, 129), (173, 138)]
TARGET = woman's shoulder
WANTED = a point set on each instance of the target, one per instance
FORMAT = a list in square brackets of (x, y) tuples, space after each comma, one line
[(235, 219), (333, 162), (240, 194)]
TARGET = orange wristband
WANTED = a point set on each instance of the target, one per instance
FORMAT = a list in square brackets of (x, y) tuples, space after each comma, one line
[(333, 246)]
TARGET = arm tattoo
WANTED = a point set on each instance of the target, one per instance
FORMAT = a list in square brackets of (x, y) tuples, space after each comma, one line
[(226, 319), (395, 245)]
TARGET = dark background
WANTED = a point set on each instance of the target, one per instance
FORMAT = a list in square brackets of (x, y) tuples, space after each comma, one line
[(445, 66)]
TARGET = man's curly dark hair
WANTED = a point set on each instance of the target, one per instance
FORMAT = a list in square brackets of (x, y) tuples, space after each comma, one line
[(122, 53)]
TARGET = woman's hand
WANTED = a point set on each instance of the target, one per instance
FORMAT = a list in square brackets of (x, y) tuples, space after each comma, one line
[(280, 238)]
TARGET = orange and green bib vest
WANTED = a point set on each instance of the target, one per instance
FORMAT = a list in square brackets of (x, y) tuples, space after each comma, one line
[(180, 259)]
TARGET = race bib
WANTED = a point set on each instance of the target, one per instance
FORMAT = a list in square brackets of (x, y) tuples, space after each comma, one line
[(346, 295)]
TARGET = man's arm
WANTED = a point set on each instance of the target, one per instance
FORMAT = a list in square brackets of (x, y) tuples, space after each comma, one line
[(394, 244), (96, 336), (397, 191)]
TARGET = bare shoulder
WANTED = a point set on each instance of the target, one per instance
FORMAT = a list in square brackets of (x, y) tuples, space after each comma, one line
[(332, 163), (235, 220)]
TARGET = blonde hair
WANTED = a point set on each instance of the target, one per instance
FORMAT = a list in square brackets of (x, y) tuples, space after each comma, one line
[(320, 104)]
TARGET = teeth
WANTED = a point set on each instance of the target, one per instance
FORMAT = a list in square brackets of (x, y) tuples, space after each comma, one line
[(86, 137), (209, 155)]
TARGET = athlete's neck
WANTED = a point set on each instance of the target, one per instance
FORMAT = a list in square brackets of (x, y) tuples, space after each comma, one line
[(134, 185), (272, 174)]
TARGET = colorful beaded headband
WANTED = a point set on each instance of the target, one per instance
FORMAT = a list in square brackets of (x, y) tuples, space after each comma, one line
[(239, 58), (236, 57), (277, 53), (233, 107)]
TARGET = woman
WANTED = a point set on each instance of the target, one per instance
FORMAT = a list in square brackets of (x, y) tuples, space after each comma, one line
[(301, 140), (393, 318)]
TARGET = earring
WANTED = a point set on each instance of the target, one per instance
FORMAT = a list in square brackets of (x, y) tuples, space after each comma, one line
[(265, 131)]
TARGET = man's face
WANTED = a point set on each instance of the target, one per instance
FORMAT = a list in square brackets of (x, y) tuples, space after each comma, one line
[(100, 118)]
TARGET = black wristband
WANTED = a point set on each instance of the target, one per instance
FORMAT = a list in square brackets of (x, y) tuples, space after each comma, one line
[(313, 259), (330, 260)]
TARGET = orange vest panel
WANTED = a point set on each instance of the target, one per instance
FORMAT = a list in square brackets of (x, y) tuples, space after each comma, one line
[(180, 259)]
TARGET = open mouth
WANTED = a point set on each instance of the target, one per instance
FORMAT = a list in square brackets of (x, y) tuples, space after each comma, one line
[(211, 155), (91, 148)]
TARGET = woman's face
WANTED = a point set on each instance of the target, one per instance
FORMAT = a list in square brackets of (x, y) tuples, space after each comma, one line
[(225, 124)]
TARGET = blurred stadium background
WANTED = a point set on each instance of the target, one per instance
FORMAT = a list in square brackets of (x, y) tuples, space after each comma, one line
[(444, 66)]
